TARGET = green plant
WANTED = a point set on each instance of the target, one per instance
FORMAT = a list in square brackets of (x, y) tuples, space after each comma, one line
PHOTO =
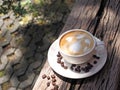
[(8, 5), (2, 73)]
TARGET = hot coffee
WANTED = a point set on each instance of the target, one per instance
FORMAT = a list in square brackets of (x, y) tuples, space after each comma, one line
[(76, 42)]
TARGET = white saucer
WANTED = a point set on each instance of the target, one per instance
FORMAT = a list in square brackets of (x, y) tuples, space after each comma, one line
[(68, 73)]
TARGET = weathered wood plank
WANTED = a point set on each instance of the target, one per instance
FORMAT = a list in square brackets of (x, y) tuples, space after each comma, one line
[(110, 28), (109, 31), (83, 15)]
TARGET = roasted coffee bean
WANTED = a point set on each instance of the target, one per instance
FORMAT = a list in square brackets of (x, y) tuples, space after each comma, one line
[(95, 62), (78, 66), (58, 55), (58, 61), (73, 65), (53, 80), (62, 64), (53, 83), (85, 69), (48, 77), (89, 65), (77, 69), (48, 84), (95, 56), (53, 76), (71, 68), (44, 76), (56, 87), (65, 67), (58, 58)]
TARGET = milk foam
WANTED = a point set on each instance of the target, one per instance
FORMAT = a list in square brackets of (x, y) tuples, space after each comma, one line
[(76, 43), (80, 36), (75, 47), (69, 39), (87, 41)]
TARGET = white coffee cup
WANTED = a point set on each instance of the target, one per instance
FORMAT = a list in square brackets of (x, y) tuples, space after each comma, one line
[(76, 46)]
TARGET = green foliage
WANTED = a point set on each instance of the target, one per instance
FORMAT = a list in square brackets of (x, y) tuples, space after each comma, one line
[(49, 10), (14, 5), (2, 73), (20, 7)]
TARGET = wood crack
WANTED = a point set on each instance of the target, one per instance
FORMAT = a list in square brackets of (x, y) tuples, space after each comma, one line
[(99, 14)]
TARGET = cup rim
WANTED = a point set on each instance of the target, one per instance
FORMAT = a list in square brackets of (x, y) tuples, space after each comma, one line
[(71, 30)]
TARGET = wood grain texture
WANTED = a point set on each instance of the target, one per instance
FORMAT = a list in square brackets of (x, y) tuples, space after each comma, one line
[(102, 18), (109, 31), (83, 15)]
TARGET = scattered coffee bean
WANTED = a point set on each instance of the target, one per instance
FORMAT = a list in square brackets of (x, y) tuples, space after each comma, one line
[(85, 69), (89, 66), (73, 65), (53, 83), (53, 76), (65, 67), (78, 66), (53, 80), (58, 58), (88, 63), (62, 64), (58, 55), (58, 61), (77, 69), (44, 76), (48, 84), (71, 68), (56, 87), (95, 56), (48, 77), (95, 62)]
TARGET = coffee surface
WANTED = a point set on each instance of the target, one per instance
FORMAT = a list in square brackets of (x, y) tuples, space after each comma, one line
[(76, 43)]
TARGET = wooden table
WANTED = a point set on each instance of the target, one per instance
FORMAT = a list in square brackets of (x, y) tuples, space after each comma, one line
[(102, 19)]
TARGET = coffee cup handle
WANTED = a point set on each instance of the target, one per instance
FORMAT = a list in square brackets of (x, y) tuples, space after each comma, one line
[(98, 42)]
